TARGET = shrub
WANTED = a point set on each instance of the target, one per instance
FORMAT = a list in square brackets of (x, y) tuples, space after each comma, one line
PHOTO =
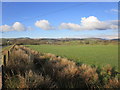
[(16, 81), (88, 73), (34, 80), (112, 83)]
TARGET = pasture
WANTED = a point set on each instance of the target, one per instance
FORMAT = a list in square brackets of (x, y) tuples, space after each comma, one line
[(99, 55)]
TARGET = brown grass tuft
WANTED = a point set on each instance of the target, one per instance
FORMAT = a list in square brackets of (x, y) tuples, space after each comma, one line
[(88, 73)]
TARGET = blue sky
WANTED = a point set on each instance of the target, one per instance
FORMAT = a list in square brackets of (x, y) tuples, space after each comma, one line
[(54, 14)]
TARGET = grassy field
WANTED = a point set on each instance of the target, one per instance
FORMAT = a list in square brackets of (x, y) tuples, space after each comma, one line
[(99, 55)]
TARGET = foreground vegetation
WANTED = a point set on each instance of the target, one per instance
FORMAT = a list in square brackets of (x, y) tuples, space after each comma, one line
[(99, 55), (27, 68)]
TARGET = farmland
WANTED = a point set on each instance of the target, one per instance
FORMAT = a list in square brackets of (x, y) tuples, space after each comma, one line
[(99, 55)]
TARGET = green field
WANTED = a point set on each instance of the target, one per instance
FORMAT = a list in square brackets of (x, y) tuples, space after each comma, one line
[(89, 54)]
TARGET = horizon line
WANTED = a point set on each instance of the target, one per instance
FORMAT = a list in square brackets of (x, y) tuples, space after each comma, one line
[(58, 38)]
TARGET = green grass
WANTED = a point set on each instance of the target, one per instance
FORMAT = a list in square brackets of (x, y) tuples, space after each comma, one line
[(99, 55), (6, 48)]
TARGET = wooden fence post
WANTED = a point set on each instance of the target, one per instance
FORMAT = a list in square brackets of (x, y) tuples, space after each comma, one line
[(7, 57), (4, 60), (3, 82)]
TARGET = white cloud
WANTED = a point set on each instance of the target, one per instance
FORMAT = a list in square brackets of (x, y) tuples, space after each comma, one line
[(17, 26), (6, 28), (114, 10), (90, 23), (104, 36), (114, 36), (44, 24)]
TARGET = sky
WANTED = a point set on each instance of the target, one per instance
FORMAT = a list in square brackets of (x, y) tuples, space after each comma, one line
[(59, 19), (60, 0)]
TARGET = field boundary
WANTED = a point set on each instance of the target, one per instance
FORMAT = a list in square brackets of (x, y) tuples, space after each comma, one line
[(6, 54)]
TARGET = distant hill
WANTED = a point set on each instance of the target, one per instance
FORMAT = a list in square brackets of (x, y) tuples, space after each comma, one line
[(59, 41)]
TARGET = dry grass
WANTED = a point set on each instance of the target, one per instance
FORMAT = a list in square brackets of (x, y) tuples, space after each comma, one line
[(88, 73), (34, 80)]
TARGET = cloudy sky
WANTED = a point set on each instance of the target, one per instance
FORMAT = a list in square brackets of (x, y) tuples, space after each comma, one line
[(59, 20)]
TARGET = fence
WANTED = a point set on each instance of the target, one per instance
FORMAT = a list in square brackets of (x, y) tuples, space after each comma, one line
[(5, 57)]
